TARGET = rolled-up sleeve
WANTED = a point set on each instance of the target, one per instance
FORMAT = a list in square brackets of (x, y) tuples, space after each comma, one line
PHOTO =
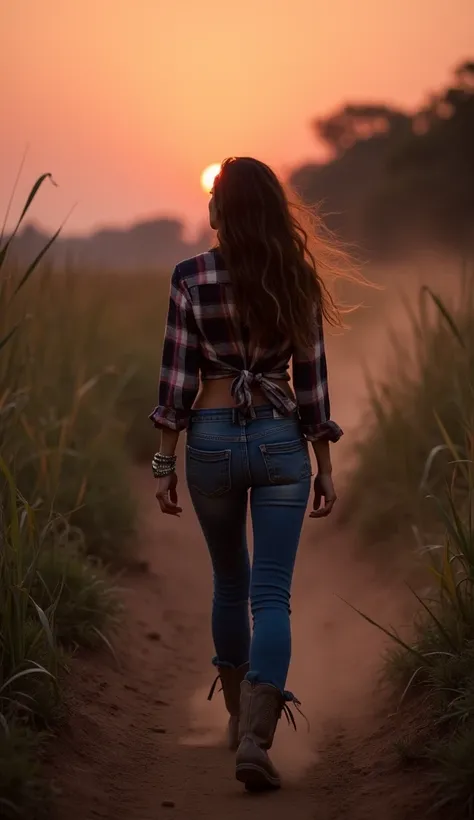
[(310, 383), (179, 376)]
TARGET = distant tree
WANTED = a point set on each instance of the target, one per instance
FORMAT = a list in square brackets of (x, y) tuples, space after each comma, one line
[(428, 185), (359, 137), (393, 178), (154, 244), (363, 121), (465, 75)]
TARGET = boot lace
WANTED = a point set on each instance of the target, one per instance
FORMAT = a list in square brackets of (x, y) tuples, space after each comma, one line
[(290, 698), (213, 688)]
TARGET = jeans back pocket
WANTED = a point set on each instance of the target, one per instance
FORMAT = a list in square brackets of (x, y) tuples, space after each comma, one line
[(287, 462), (208, 471)]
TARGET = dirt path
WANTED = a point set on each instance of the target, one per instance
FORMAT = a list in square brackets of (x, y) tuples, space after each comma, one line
[(143, 743), (144, 736)]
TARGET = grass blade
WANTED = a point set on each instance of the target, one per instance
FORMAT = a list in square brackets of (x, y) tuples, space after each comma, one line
[(13, 192), (446, 315), (9, 336), (45, 624), (107, 643), (436, 620), (34, 264), (38, 670), (31, 196), (392, 635)]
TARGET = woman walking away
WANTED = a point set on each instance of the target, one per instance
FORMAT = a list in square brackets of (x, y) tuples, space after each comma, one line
[(237, 315)]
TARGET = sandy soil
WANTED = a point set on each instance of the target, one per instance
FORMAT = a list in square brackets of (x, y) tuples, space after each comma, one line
[(143, 743)]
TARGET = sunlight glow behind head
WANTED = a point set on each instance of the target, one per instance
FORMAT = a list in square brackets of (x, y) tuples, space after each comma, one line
[(208, 176)]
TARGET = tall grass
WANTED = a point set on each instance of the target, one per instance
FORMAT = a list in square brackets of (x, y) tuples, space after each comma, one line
[(428, 379), (438, 663), (75, 387), (29, 655)]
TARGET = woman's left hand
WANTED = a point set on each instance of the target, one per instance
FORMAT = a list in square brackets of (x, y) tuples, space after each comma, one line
[(167, 495)]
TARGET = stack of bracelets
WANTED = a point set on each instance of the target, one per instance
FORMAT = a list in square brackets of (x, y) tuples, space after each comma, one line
[(163, 466)]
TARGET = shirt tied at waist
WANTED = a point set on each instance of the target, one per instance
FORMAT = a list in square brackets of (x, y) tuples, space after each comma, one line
[(242, 391)]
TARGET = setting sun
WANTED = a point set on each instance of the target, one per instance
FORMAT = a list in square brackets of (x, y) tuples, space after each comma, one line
[(208, 176)]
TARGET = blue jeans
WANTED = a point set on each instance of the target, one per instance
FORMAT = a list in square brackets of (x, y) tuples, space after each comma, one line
[(226, 456)]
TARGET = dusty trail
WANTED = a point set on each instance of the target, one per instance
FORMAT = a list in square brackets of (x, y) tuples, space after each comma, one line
[(143, 743), (145, 735)]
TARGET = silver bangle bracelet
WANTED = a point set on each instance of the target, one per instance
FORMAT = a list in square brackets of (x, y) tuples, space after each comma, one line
[(162, 472), (162, 465)]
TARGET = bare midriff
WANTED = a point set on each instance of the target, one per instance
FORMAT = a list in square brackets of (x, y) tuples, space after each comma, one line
[(216, 393)]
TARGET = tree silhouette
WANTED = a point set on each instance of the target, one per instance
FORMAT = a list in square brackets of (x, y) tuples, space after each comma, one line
[(364, 121), (395, 179)]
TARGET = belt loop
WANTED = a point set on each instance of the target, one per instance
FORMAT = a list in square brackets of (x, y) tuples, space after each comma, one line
[(234, 415)]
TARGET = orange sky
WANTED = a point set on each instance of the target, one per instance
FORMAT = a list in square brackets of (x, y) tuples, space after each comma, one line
[(125, 101)]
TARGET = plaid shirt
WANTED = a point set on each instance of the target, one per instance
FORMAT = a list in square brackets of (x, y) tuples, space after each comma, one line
[(205, 338)]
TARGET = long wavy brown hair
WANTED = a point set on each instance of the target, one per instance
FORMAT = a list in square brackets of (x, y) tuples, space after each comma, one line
[(273, 250)]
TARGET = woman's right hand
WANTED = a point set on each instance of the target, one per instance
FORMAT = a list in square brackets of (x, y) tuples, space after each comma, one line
[(323, 489)]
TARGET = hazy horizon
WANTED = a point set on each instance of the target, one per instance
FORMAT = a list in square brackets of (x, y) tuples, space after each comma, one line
[(125, 106)]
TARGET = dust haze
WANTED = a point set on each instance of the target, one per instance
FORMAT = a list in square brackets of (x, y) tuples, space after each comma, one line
[(336, 663), (146, 731)]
